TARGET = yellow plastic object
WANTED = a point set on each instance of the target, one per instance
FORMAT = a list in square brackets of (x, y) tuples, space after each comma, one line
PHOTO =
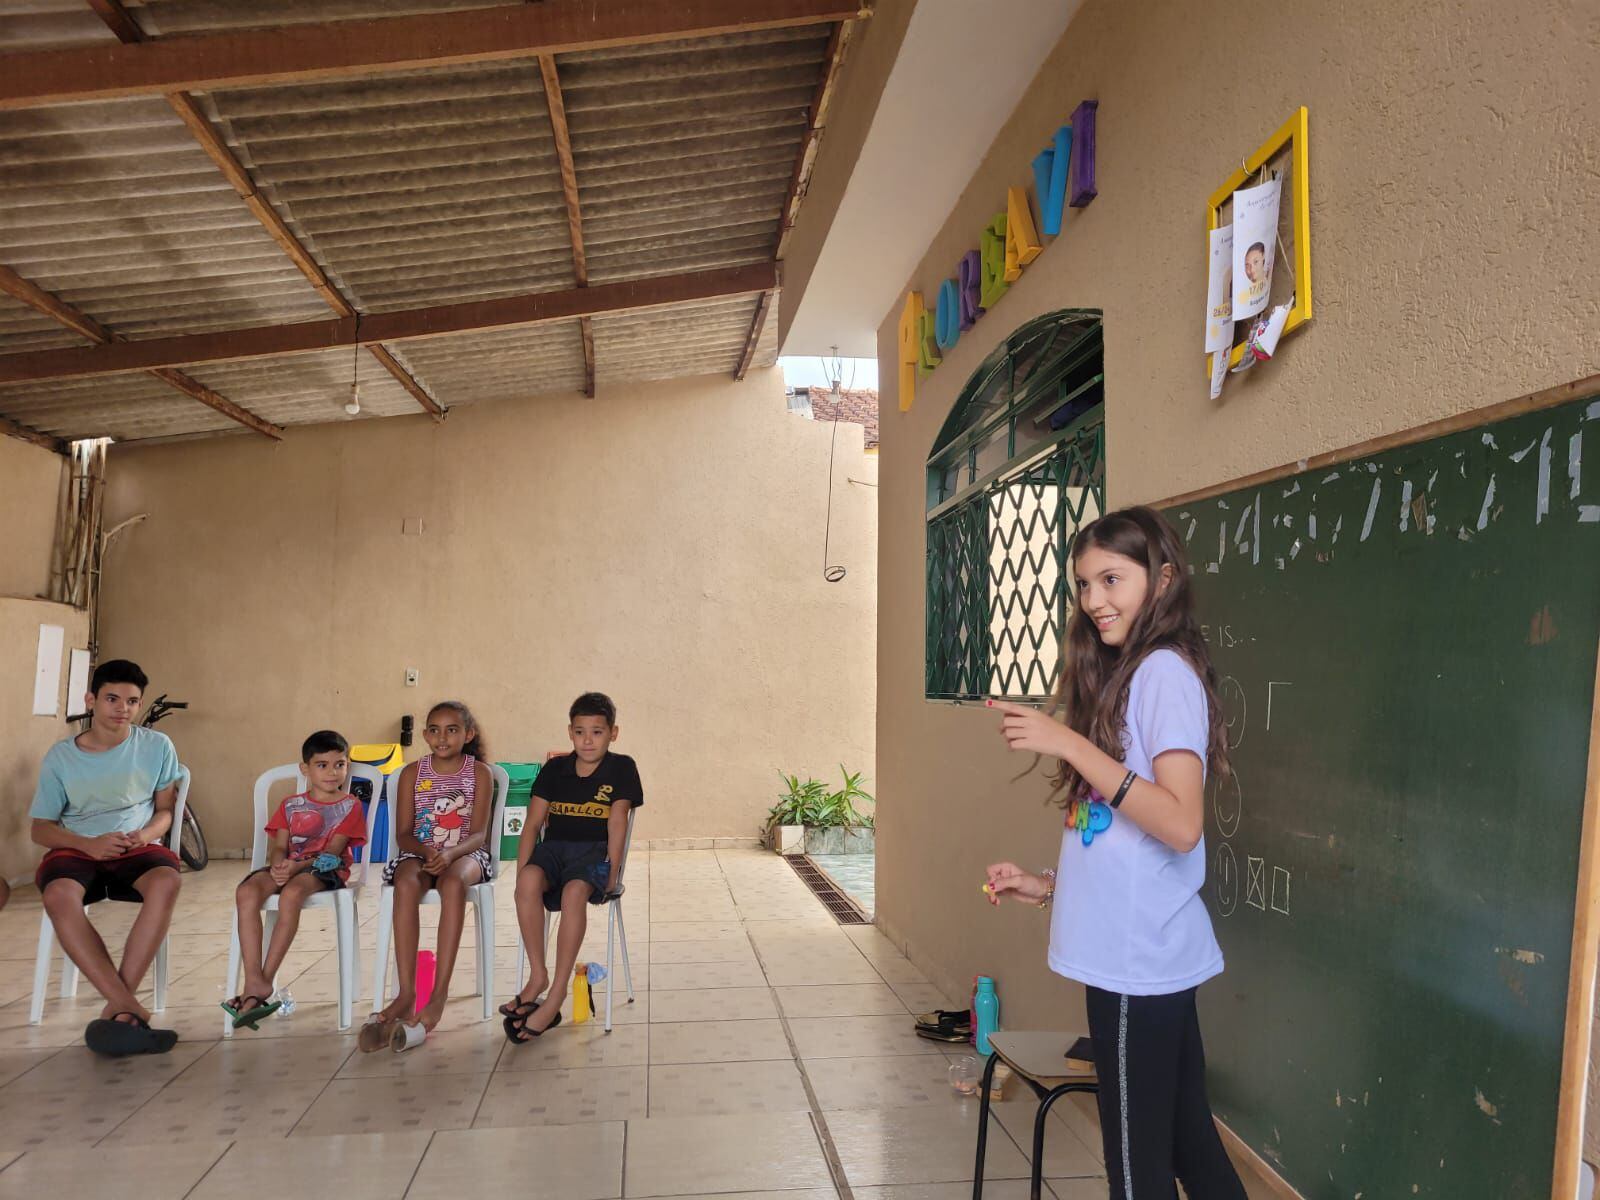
[(582, 1007), (386, 756)]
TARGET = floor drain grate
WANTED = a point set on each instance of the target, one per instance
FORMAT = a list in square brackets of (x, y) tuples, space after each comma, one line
[(839, 905)]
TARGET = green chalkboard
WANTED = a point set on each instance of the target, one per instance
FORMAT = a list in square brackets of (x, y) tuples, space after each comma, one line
[(1407, 645)]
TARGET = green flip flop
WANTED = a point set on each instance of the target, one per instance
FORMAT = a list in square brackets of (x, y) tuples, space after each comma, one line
[(246, 1015)]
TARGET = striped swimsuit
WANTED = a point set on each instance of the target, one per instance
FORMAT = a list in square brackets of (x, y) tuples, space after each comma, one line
[(442, 816)]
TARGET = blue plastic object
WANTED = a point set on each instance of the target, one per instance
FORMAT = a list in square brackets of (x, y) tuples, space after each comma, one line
[(986, 1012)]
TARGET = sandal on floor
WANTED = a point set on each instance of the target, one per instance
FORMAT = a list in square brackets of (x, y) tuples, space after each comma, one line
[(374, 1034), (116, 1038), (244, 1013), (516, 1008), (526, 1033)]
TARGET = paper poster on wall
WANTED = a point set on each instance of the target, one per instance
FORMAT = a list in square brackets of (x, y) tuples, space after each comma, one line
[(47, 674), (1255, 239), (1219, 290), (77, 680)]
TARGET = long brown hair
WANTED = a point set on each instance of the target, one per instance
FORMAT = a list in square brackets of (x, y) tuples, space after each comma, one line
[(1092, 695)]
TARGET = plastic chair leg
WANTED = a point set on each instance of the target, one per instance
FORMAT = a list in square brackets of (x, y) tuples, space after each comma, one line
[(345, 935), (380, 965), (485, 907), (622, 935), (611, 943), (162, 959), (41, 969)]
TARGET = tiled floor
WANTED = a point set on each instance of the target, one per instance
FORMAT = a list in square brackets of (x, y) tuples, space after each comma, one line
[(769, 1054)]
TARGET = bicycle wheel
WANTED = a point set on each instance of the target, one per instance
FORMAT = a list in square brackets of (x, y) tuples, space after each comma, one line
[(192, 842)]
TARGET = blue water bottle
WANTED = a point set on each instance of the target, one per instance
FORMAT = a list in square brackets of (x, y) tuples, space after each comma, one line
[(986, 1011)]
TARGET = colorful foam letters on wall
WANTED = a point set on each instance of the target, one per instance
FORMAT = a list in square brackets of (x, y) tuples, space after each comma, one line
[(910, 326), (1022, 243), (1007, 244), (947, 325)]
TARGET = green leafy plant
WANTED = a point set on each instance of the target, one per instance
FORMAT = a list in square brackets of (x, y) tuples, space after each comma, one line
[(811, 804)]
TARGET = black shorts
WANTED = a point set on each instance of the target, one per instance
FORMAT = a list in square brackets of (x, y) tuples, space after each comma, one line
[(329, 879), (104, 878), (564, 862)]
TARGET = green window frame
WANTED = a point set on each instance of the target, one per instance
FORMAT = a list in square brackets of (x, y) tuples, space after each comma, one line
[(1016, 471)]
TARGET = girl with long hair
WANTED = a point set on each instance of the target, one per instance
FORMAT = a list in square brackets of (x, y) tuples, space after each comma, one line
[(1139, 727)]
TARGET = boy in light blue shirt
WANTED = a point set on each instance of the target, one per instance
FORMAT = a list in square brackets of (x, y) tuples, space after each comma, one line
[(104, 802)]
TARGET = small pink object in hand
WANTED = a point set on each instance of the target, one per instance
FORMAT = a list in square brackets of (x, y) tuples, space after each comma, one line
[(425, 976)]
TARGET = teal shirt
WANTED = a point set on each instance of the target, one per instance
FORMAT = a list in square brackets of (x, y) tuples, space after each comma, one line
[(109, 792)]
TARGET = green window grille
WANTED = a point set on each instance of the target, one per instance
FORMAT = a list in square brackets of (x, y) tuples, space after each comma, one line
[(1017, 470)]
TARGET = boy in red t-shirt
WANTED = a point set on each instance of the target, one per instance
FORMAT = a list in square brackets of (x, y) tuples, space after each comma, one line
[(312, 836)]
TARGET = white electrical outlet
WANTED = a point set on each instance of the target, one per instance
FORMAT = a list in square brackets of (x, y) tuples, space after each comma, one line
[(411, 677)]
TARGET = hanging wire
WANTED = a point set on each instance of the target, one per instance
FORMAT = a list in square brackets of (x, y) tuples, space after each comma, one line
[(832, 573)]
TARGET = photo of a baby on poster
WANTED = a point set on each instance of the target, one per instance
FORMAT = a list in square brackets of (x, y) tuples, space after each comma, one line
[(1255, 238)]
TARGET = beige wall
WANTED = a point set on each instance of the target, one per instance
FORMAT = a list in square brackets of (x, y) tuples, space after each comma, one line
[(662, 544), (30, 490), (1455, 264), (27, 737)]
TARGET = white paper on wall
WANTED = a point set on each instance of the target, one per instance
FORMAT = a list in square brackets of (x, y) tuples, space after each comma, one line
[(1219, 290), (77, 681), (1255, 241), (47, 674)]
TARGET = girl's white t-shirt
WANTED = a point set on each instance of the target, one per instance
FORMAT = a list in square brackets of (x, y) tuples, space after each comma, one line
[(1127, 916)]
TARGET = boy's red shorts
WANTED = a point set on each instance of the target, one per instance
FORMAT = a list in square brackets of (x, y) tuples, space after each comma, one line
[(104, 878)]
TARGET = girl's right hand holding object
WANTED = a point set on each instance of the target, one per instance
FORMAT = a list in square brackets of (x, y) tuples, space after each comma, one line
[(1009, 880)]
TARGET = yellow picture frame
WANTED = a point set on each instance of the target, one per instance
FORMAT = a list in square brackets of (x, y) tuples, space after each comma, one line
[(1292, 134)]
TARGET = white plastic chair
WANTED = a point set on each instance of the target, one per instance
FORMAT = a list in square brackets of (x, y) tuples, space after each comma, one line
[(344, 901), (479, 895), (615, 930), (69, 969)]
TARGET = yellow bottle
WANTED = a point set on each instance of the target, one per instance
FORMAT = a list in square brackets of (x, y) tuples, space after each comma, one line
[(582, 1007)]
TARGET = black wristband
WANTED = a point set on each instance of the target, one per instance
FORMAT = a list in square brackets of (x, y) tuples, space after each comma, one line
[(1116, 801)]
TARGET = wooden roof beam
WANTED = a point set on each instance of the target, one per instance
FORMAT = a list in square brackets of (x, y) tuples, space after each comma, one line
[(23, 433), (189, 112), (347, 49), (569, 192), (816, 122), (763, 310), (309, 337), (37, 298)]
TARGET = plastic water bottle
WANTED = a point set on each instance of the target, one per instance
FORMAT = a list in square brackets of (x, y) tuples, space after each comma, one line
[(286, 999), (986, 1013)]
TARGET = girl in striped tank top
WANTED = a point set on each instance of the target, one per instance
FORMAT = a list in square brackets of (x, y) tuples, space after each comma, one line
[(443, 803)]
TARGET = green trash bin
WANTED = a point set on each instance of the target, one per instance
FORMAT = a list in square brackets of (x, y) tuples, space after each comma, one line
[(517, 799)]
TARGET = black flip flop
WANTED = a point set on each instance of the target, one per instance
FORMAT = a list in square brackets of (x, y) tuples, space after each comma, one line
[(115, 1038), (517, 1008), (518, 1033)]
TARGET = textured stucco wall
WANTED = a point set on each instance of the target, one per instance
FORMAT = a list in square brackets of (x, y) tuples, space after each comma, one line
[(1454, 163), (662, 544), (30, 489)]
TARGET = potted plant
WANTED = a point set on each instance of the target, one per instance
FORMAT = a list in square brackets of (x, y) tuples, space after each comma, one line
[(811, 819), (799, 805)]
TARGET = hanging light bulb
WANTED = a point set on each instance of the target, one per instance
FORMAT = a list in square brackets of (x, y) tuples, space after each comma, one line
[(353, 406)]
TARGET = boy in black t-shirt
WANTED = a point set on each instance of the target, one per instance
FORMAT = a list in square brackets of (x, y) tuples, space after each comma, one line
[(585, 796)]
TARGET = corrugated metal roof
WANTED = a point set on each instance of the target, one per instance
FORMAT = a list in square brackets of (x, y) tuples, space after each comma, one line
[(411, 189)]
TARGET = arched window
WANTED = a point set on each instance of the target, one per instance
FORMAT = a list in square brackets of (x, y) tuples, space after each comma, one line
[(1017, 469)]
